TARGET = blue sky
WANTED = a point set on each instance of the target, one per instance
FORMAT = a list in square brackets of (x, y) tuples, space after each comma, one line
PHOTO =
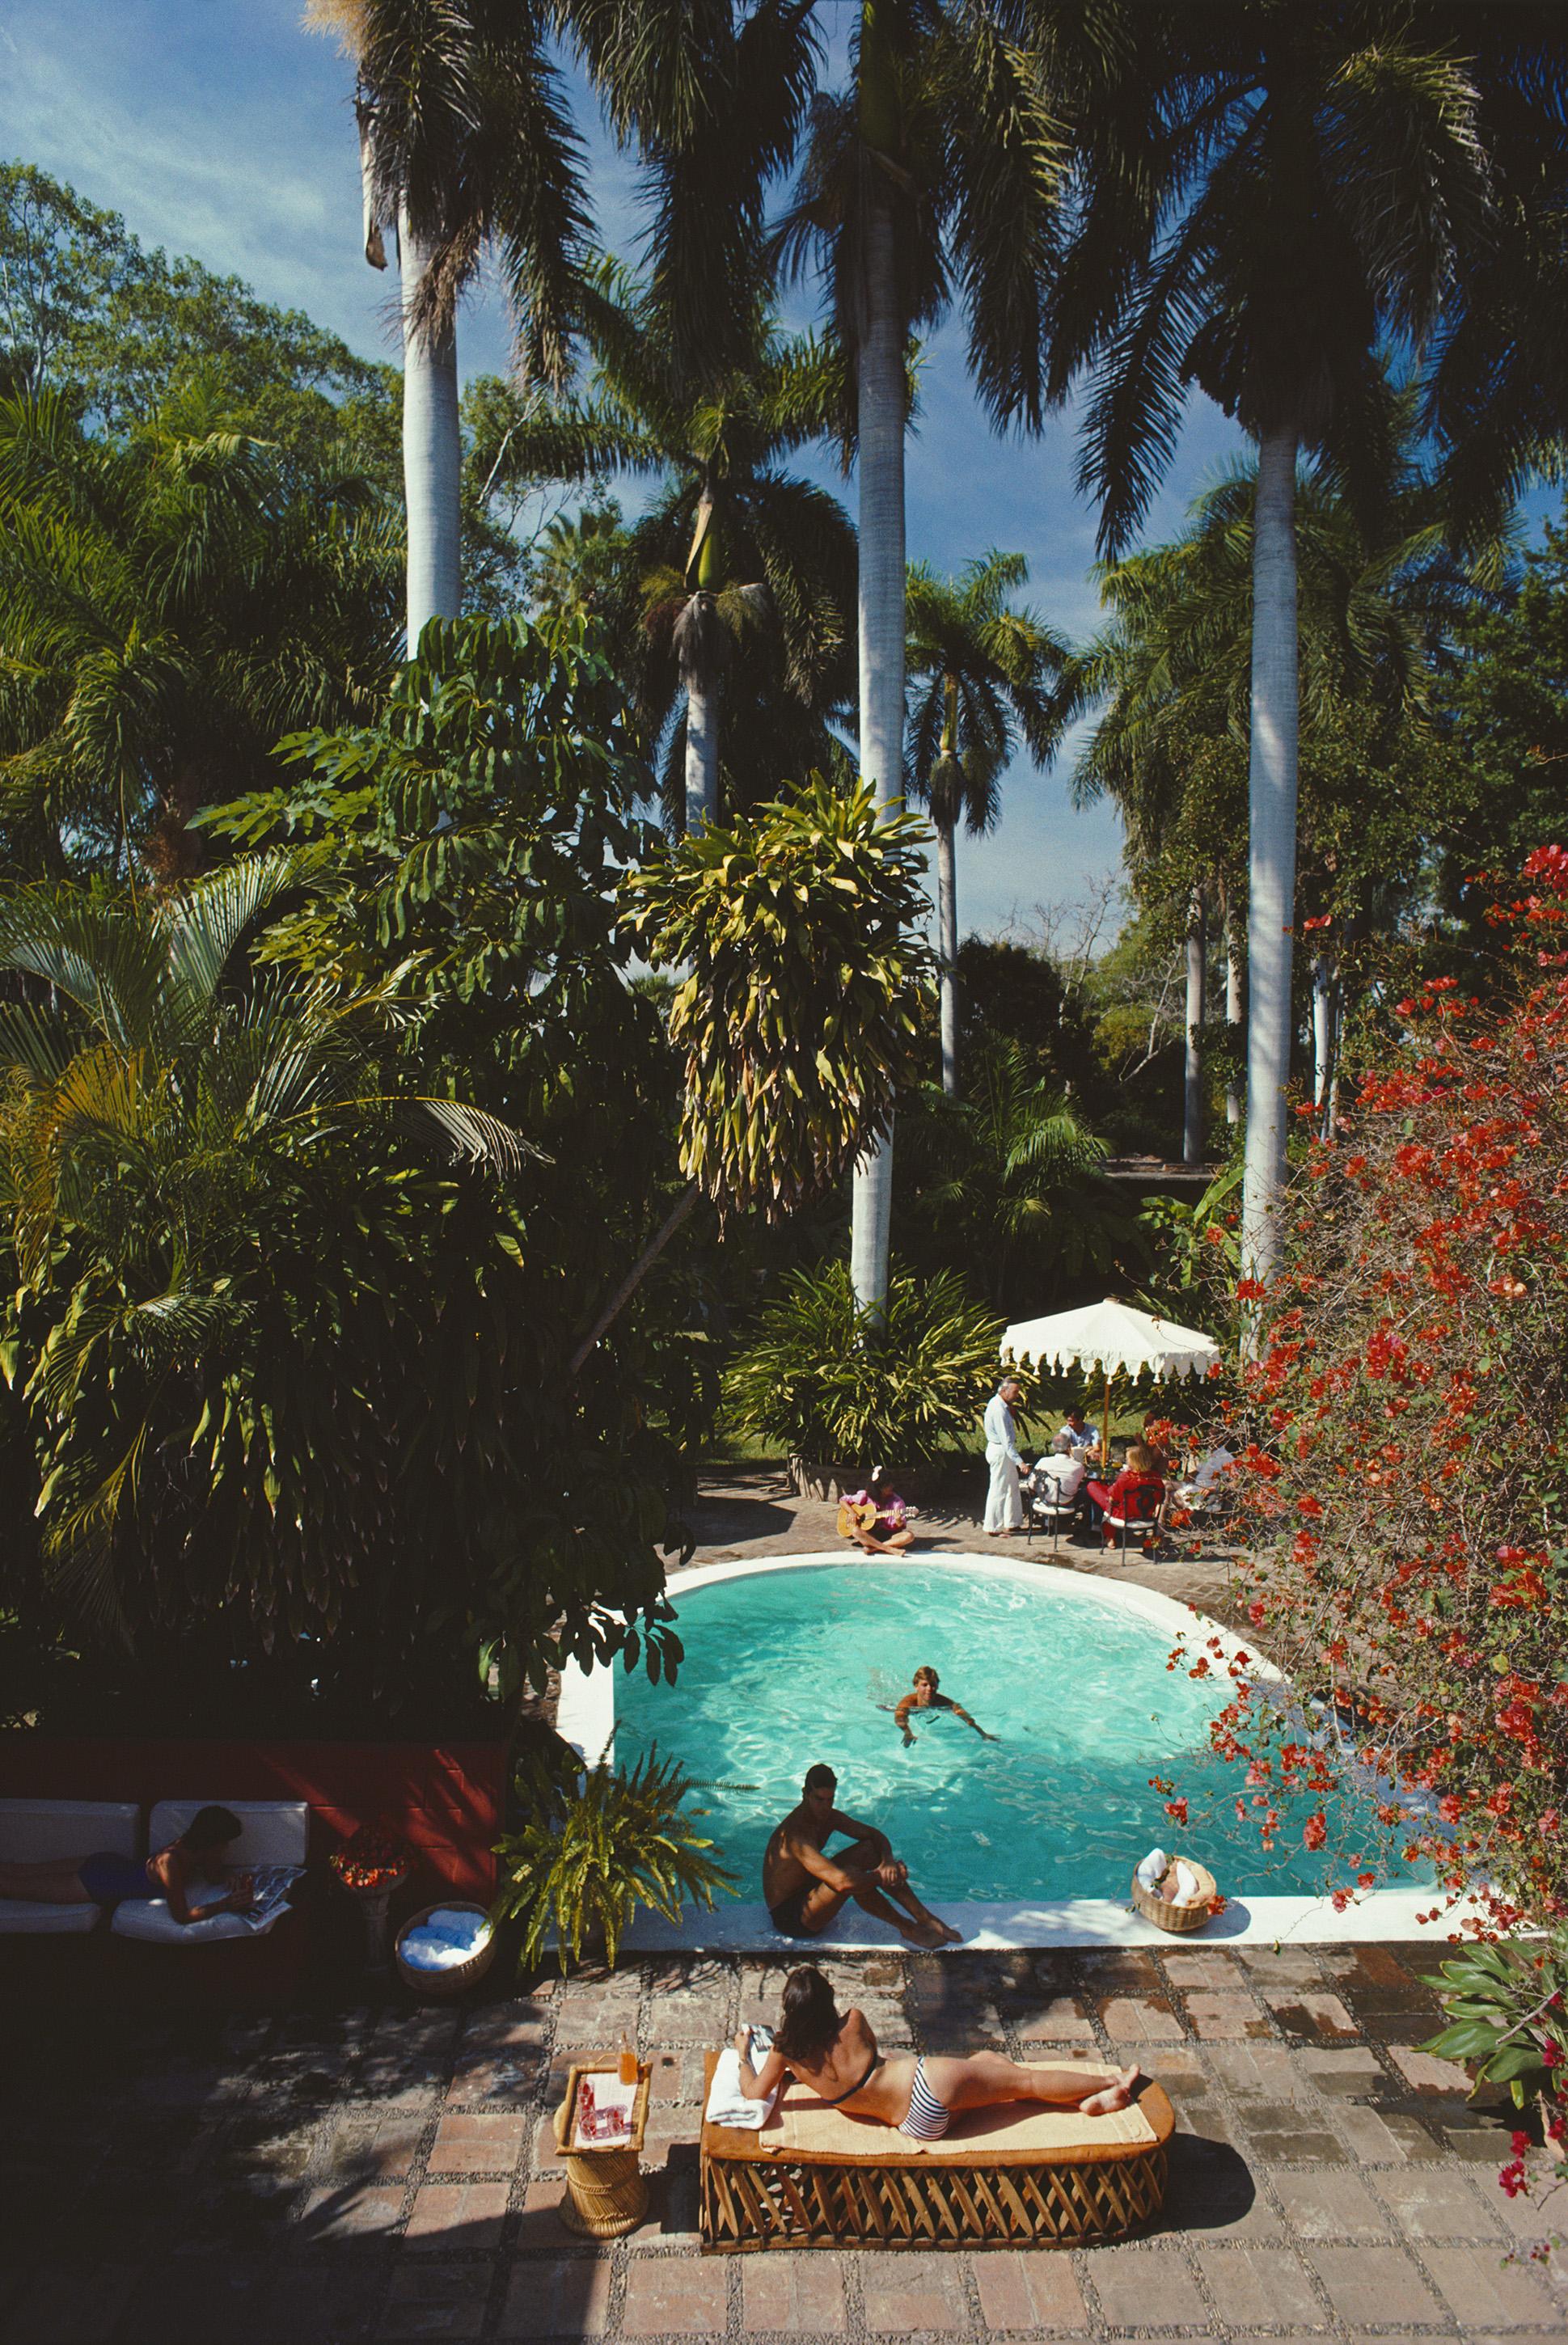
[(221, 129)]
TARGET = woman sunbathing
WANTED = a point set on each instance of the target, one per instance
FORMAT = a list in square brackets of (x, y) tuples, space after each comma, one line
[(837, 2057), (181, 1872)]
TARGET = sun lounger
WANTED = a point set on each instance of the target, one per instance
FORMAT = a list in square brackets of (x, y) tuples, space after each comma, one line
[(1022, 2176), (273, 1833)]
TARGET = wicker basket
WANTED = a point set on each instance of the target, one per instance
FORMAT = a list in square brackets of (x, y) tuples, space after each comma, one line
[(1179, 1919), (440, 1986), (606, 2193)]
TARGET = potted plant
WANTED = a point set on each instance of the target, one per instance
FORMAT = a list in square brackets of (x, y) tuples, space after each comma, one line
[(371, 1866), (836, 1392), (594, 1849), (1508, 2024)]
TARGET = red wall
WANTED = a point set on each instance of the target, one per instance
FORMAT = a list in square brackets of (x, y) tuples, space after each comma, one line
[(446, 1800)]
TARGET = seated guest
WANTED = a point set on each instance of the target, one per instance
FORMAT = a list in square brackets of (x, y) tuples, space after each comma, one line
[(1206, 1476), (1077, 1434), (1058, 1477), (184, 1867), (877, 1519), (1137, 1486), (835, 2055), (804, 1889)]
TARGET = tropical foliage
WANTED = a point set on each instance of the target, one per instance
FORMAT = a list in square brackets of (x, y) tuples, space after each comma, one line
[(594, 1849), (819, 1378), (170, 603), (800, 1014)]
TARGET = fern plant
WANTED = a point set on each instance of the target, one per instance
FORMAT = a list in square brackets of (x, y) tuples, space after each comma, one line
[(591, 1854)]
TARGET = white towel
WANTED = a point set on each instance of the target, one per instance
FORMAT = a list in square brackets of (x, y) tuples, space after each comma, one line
[(1187, 1892), (445, 1939), (726, 2104), (1151, 1872)]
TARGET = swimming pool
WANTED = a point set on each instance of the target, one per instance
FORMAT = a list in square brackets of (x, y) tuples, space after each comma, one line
[(787, 1666)]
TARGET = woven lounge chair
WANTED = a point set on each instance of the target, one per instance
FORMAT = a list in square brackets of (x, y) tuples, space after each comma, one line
[(1022, 2176)]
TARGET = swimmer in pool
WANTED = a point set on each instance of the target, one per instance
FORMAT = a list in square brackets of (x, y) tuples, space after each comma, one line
[(926, 1697)]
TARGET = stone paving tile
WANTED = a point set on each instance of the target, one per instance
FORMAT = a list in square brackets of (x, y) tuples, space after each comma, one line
[(1368, 2286), (436, 2300), (800, 2293), (1481, 2290), (1440, 2205), (1225, 2018), (489, 2144), (466, 2215), (676, 2296), (1260, 2288), (1141, 2288), (901, 2293), (348, 2215), (557, 2296), (1334, 2204), (1030, 2292), (1139, 2019), (1052, 2019), (1311, 2016)]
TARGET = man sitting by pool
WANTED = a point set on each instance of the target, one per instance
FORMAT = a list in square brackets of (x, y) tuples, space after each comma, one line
[(805, 1890), (926, 1697)]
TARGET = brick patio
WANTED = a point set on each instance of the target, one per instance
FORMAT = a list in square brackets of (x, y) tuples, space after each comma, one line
[(388, 2174)]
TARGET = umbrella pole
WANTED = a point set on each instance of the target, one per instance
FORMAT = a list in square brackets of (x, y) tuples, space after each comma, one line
[(1106, 1429)]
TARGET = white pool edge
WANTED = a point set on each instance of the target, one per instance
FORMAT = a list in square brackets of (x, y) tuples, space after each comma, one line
[(585, 1717)]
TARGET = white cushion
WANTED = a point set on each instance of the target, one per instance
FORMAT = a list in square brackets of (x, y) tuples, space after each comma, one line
[(150, 1919), (275, 1832), (33, 1831), (21, 1917)]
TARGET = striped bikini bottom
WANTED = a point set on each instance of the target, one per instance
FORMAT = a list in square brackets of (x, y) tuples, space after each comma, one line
[(927, 2120)]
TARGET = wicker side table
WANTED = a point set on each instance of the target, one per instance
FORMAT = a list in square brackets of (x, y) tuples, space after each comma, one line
[(606, 2192)]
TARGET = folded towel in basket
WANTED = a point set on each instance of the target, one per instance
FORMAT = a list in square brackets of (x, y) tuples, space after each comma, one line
[(1188, 1891), (1152, 1871), (726, 2104)]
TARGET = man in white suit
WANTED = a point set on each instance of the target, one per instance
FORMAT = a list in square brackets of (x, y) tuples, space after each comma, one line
[(1003, 1507)]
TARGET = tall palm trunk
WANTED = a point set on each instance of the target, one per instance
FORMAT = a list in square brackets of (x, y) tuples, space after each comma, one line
[(880, 389), (1192, 1100), (947, 893), (702, 751), (1232, 1007), (431, 457), (1322, 1026), (1271, 846), (947, 952)]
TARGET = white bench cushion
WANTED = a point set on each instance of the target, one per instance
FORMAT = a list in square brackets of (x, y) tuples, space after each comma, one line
[(148, 1918), (33, 1831), (275, 1832), (20, 1917)]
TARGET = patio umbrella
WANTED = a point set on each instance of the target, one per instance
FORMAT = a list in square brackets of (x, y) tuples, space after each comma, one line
[(1110, 1337)]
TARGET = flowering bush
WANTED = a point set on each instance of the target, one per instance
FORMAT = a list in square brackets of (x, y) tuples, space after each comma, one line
[(1406, 1477)]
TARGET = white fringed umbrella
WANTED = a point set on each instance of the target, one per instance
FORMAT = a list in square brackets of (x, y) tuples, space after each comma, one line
[(1115, 1338)]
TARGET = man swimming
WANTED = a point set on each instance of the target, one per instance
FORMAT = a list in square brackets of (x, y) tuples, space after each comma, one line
[(805, 1890), (926, 1697)]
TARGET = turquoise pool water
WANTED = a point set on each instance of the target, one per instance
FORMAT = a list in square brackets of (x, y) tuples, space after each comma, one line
[(786, 1668)]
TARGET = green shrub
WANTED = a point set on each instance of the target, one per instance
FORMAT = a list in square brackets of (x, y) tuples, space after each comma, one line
[(820, 1380), (589, 1855)]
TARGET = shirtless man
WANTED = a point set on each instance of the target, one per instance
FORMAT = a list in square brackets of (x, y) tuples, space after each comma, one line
[(926, 1697), (805, 1891)]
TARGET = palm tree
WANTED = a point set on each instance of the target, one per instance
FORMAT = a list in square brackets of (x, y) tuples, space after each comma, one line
[(176, 1123), (466, 144), (170, 606), (1321, 171), (1171, 675), (980, 673), (1008, 1183), (740, 575), (945, 162)]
